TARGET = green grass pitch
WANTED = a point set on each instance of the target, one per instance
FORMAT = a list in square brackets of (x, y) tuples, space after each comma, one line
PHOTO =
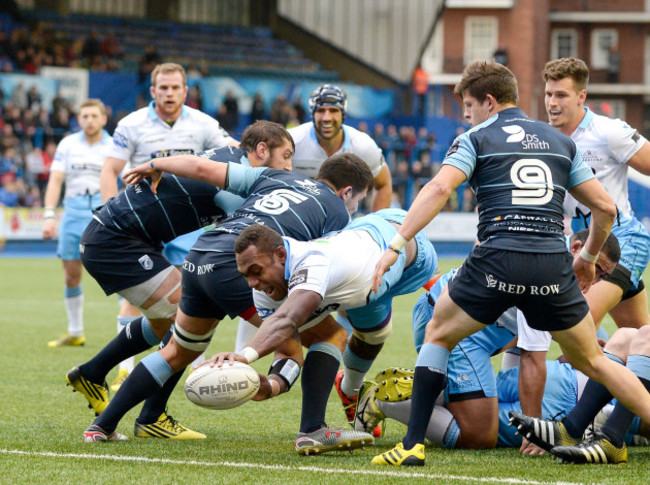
[(42, 420)]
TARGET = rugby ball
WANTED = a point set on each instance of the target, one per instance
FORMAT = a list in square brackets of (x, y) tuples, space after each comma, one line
[(222, 387)]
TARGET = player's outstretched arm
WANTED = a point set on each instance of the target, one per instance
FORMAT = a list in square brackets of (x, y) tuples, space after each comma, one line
[(283, 324), (277, 330), (190, 166), (603, 213)]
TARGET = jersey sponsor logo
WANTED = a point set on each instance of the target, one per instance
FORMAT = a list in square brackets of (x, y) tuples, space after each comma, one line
[(309, 186), (590, 156), (514, 289), (119, 139), (265, 312), (172, 152), (528, 141), (298, 278), (146, 262), (533, 180), (516, 132), (278, 201), (90, 167), (453, 148), (332, 307), (208, 153)]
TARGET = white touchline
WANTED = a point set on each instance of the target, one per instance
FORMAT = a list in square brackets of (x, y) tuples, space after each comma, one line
[(315, 469)]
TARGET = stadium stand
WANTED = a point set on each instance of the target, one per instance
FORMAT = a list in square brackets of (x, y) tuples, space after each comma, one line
[(223, 50)]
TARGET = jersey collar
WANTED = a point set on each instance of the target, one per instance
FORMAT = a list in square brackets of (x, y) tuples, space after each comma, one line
[(589, 115), (151, 112), (346, 137), (105, 136), (287, 247)]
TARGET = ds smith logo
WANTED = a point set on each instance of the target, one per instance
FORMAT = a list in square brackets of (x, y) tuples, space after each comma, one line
[(528, 142)]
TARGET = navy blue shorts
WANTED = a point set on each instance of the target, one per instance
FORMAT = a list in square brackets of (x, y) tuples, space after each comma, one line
[(117, 260), (212, 286), (543, 286)]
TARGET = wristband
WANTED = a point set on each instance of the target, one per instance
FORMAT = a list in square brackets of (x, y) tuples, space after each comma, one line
[(587, 256), (152, 166), (397, 243), (250, 353), (49, 213)]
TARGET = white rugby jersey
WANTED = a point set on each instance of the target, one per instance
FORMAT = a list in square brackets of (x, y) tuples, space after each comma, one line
[(606, 145), (310, 155), (325, 267), (142, 135), (82, 163)]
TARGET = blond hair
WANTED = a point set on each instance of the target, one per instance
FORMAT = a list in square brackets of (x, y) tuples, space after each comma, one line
[(93, 102), (167, 68)]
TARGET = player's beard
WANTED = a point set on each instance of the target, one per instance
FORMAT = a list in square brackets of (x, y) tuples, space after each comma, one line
[(333, 135)]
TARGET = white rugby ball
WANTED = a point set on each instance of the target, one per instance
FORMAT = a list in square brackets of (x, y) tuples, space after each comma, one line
[(222, 387)]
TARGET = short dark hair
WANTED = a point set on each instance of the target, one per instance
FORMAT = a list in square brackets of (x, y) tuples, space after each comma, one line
[(263, 237), (611, 247), (565, 67), (273, 134), (346, 169), (482, 78)]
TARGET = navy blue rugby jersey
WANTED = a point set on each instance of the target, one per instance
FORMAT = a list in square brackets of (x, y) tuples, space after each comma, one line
[(180, 206), (520, 170), (292, 204)]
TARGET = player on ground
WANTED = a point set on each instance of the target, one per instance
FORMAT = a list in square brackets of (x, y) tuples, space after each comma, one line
[(520, 186), (122, 250), (164, 128), (564, 438), (294, 204), (566, 386), (393, 387), (298, 283), (470, 395), (77, 162), (609, 147)]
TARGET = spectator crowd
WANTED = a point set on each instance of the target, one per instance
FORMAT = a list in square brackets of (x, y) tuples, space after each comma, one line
[(30, 130)]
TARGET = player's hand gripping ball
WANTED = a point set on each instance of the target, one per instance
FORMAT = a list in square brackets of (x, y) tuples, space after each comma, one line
[(223, 387)]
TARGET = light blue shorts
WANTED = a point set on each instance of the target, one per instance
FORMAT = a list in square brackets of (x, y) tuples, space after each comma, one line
[(635, 249), (176, 250), (376, 314), (76, 216)]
